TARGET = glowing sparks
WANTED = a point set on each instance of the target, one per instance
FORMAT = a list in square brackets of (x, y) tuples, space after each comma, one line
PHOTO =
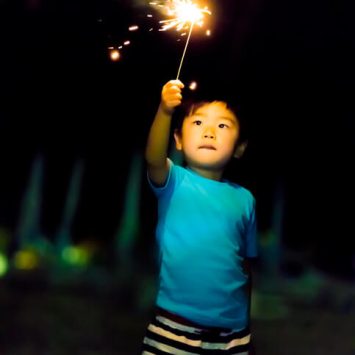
[(114, 54), (182, 13), (133, 28)]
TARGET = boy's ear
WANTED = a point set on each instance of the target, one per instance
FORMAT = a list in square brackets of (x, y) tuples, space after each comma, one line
[(177, 138), (240, 149)]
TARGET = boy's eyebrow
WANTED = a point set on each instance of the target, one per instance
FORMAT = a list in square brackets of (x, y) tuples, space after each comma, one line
[(228, 118)]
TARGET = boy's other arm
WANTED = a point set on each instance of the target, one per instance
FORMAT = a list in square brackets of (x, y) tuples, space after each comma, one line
[(249, 265), (156, 152)]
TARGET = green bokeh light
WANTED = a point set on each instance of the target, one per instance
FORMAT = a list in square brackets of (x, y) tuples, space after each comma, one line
[(4, 265), (76, 256)]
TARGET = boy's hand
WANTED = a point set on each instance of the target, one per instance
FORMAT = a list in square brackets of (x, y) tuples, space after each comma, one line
[(171, 95)]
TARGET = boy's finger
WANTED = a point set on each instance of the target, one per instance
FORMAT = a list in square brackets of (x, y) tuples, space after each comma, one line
[(174, 98), (172, 92), (175, 90), (175, 82)]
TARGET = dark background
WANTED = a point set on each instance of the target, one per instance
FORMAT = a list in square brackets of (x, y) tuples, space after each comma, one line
[(289, 65)]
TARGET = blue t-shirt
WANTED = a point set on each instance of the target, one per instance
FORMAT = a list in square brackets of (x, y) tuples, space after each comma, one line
[(205, 229)]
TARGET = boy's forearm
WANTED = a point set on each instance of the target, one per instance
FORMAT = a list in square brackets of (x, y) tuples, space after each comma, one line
[(158, 138), (249, 290)]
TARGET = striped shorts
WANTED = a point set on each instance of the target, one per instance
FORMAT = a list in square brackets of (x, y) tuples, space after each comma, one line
[(171, 334)]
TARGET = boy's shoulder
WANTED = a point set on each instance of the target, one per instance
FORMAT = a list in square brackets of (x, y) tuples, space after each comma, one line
[(241, 190)]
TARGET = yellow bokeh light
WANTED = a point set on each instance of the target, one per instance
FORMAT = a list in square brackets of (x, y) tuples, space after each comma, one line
[(26, 260)]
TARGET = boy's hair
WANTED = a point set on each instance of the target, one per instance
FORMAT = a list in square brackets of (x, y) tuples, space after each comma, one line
[(190, 106)]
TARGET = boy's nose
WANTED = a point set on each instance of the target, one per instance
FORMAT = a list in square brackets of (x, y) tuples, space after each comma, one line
[(209, 133)]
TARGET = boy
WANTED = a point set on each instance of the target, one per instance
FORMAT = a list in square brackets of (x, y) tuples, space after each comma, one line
[(206, 232)]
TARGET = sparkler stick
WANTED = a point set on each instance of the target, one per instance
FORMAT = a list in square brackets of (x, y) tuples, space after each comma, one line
[(183, 55)]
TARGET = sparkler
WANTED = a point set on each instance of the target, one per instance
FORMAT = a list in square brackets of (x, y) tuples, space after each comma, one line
[(184, 14)]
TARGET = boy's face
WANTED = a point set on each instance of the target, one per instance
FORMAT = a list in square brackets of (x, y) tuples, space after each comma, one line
[(208, 136)]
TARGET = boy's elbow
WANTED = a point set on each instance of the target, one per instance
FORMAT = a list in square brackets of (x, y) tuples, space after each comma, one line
[(158, 175)]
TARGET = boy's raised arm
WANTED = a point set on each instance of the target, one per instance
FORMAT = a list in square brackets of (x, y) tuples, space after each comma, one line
[(156, 152)]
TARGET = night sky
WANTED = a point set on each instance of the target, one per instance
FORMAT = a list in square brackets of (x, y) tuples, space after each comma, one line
[(289, 64)]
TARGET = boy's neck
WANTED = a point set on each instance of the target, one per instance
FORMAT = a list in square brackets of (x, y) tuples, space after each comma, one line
[(208, 174)]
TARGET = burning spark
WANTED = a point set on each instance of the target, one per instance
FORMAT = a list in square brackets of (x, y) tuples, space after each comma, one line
[(183, 13)]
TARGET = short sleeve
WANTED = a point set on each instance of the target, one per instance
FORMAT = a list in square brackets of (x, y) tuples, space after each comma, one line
[(169, 184)]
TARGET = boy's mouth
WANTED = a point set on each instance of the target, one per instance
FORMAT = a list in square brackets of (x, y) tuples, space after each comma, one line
[(207, 146)]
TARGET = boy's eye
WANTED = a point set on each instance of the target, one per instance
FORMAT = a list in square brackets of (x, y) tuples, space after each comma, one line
[(222, 125), (197, 122)]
